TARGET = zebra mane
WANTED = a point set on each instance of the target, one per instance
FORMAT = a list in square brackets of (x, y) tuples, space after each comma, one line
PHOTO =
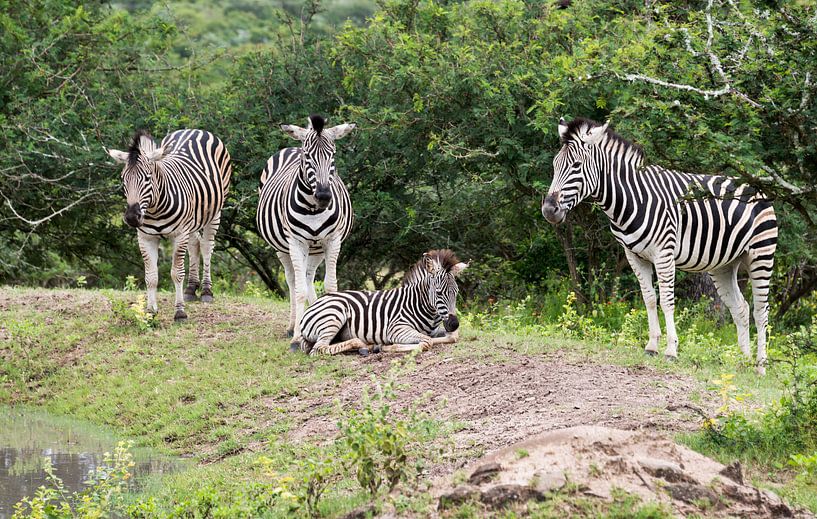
[(446, 258), (317, 123), (135, 147), (581, 125)]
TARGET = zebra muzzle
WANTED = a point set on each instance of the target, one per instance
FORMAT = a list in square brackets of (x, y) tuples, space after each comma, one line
[(134, 216), (451, 323), (551, 210)]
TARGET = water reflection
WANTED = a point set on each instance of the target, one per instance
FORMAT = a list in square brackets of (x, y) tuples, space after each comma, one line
[(74, 448)]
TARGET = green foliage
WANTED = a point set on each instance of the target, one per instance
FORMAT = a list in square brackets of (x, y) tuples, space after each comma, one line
[(133, 314), (104, 497), (378, 445)]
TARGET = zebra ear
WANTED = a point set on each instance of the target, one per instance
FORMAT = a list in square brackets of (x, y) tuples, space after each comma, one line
[(340, 131), (562, 128), (431, 265), (459, 267), (296, 132), (155, 155), (118, 156), (594, 135)]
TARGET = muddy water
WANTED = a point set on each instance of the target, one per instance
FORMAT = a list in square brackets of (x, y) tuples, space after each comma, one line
[(74, 448)]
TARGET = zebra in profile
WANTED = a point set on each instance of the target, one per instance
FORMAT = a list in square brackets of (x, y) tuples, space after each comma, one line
[(400, 319), (176, 190), (304, 210), (670, 219)]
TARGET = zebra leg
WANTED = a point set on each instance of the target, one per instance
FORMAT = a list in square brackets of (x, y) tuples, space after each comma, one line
[(299, 254), (193, 254), (207, 242), (404, 338), (665, 270), (177, 274), (286, 261), (643, 271), (726, 282), (325, 348), (149, 246), (331, 249), (313, 263), (760, 272)]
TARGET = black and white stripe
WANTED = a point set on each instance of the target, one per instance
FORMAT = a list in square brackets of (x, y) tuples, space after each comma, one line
[(401, 319), (672, 220), (304, 210), (176, 190)]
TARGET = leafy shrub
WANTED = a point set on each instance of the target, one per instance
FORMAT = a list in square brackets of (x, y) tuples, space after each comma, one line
[(377, 444), (108, 484), (134, 314)]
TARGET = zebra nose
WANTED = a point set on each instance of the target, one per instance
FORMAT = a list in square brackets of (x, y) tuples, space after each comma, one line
[(323, 196), (133, 215), (452, 323), (550, 209)]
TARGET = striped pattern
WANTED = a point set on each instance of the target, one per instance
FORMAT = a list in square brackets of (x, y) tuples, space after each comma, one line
[(400, 319), (670, 220), (176, 190), (304, 210)]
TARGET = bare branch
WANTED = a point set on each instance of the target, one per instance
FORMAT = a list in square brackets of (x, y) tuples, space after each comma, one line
[(35, 223)]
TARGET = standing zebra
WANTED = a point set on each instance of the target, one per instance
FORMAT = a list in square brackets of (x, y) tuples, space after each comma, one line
[(304, 210), (401, 319), (696, 223), (176, 190)]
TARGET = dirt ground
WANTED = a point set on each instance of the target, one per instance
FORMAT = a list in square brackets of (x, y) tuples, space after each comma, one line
[(503, 399)]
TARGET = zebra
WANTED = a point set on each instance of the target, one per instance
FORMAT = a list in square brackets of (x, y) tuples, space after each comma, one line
[(398, 320), (670, 219), (304, 210), (176, 190)]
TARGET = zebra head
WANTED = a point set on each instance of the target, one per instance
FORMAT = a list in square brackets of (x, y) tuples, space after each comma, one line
[(318, 155), (441, 269), (575, 173), (138, 176)]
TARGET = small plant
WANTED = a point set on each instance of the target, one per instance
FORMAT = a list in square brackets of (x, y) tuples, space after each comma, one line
[(317, 474), (521, 453), (805, 465), (134, 314), (130, 283), (104, 497), (376, 443), (573, 324), (81, 281)]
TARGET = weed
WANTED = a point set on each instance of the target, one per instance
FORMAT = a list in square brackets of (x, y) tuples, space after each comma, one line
[(134, 314)]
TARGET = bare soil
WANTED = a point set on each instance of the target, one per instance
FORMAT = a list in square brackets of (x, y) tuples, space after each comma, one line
[(502, 399)]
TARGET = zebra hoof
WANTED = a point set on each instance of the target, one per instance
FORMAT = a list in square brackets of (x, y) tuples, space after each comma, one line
[(294, 347), (190, 297), (180, 316), (650, 353), (376, 348), (670, 358), (364, 352)]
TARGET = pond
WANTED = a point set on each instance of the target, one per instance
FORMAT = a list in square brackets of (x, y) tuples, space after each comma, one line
[(74, 448)]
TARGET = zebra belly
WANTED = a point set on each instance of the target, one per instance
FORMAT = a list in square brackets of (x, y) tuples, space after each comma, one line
[(712, 234)]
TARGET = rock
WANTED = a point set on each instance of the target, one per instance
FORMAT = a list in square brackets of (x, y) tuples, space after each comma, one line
[(665, 470), (484, 473), (693, 493), (458, 496), (503, 495), (733, 471)]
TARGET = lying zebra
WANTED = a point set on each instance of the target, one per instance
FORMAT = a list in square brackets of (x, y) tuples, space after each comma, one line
[(398, 320)]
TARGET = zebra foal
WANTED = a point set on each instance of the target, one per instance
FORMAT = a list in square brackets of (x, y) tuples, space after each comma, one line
[(176, 190), (670, 220), (304, 210), (400, 319)]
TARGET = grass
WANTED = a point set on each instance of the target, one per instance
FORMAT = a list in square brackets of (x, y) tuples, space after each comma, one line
[(223, 389)]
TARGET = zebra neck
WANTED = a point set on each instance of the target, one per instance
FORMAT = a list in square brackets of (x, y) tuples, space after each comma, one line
[(419, 293), (302, 195), (619, 191)]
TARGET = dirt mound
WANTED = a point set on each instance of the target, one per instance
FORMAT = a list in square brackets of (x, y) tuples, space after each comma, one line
[(597, 460), (501, 399)]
